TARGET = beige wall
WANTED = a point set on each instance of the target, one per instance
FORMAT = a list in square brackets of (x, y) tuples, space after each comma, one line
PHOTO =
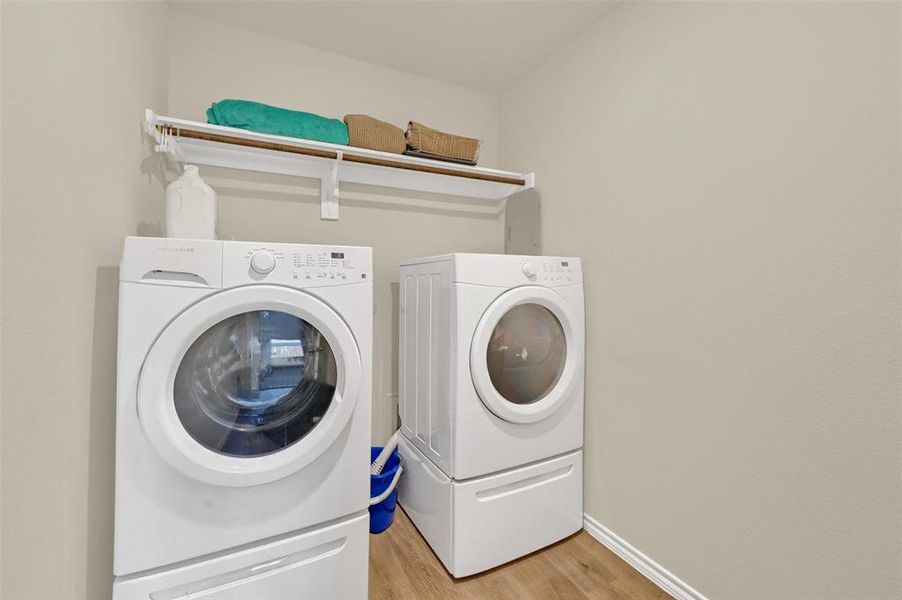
[(1, 312), (730, 173), (210, 61), (74, 182)]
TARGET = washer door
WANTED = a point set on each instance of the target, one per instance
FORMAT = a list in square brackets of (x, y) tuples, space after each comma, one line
[(523, 355), (249, 385)]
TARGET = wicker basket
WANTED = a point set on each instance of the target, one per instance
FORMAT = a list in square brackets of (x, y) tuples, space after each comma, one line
[(432, 143), (366, 132)]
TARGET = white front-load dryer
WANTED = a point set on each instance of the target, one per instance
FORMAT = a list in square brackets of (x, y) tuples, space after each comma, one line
[(243, 420), (492, 361)]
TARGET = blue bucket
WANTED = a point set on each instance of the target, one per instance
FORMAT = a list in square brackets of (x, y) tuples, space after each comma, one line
[(383, 511)]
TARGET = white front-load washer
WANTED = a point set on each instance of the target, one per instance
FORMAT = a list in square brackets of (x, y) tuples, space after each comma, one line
[(243, 420), (492, 357)]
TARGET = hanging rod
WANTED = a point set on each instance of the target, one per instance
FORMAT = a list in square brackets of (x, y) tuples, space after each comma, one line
[(347, 155)]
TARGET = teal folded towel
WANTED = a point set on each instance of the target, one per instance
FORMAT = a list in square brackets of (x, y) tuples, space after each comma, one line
[(279, 121)]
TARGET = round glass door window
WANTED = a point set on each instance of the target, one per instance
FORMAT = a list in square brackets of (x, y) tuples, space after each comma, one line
[(255, 383), (526, 353)]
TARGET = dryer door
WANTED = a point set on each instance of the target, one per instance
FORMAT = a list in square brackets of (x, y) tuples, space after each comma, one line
[(523, 358), (249, 385)]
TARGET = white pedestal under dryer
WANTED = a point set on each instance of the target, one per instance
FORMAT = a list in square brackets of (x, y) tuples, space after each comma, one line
[(492, 359), (243, 420)]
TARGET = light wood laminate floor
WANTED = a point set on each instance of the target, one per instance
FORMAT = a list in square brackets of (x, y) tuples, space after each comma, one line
[(402, 566)]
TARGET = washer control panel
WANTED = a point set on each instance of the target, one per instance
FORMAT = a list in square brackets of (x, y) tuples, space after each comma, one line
[(554, 271), (295, 264), (325, 266)]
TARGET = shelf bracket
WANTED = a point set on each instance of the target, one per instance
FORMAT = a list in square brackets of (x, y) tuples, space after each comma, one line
[(164, 136), (328, 191)]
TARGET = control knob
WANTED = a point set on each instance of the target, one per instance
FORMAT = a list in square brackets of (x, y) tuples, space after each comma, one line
[(263, 262), (529, 270)]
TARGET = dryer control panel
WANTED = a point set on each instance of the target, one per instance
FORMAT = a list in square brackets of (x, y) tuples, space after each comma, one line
[(299, 265), (509, 270)]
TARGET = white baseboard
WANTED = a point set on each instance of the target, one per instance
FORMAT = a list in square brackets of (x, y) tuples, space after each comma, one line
[(660, 576)]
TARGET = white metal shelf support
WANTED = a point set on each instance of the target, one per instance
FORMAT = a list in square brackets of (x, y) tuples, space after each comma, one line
[(329, 193), (227, 147)]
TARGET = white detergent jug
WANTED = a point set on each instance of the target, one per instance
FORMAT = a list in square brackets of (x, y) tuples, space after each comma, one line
[(190, 207)]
